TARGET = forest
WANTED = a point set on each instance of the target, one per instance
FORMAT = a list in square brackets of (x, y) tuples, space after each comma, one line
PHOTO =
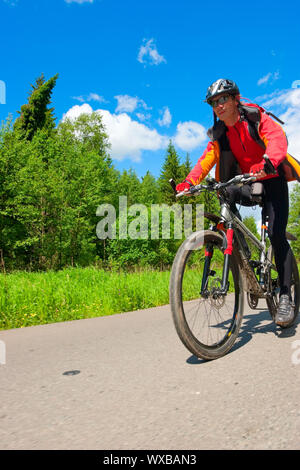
[(54, 177)]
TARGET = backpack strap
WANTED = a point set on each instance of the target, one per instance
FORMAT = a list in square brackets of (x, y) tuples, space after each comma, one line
[(275, 117), (251, 114), (217, 131)]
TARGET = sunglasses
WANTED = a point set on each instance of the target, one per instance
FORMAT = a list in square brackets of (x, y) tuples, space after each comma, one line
[(221, 100)]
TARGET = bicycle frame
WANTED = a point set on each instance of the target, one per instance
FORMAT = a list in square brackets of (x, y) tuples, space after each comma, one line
[(230, 227)]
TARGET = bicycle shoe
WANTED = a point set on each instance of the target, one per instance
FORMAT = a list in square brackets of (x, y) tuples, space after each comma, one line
[(285, 312)]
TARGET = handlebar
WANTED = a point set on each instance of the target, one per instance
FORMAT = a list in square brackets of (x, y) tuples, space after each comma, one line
[(213, 185)]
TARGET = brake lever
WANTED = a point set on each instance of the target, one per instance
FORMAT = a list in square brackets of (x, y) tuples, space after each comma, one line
[(182, 193), (248, 179), (173, 185), (190, 192), (268, 166)]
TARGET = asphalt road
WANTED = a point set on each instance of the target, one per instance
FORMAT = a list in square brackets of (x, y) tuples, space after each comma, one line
[(127, 382)]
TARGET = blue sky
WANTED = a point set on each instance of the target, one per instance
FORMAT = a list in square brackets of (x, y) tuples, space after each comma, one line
[(147, 64)]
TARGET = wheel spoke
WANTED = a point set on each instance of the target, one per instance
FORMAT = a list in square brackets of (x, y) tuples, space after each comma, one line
[(212, 318), (207, 322)]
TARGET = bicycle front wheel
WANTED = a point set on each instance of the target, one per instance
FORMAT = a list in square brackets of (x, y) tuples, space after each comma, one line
[(207, 322)]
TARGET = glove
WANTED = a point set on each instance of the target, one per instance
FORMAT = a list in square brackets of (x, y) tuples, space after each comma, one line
[(182, 186), (257, 167)]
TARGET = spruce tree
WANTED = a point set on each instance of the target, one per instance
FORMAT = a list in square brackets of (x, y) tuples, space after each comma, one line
[(35, 114), (186, 167), (171, 169), (149, 189)]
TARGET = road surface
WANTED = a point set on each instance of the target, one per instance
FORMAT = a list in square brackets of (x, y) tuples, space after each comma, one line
[(127, 382)]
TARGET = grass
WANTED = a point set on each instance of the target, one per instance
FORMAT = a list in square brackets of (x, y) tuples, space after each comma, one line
[(28, 299)]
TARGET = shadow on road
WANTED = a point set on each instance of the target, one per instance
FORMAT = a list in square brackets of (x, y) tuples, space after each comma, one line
[(254, 324)]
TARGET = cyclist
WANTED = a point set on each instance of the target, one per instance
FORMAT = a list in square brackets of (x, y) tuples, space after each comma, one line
[(241, 136)]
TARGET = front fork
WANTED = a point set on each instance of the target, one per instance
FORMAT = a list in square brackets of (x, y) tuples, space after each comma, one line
[(209, 249), (208, 256)]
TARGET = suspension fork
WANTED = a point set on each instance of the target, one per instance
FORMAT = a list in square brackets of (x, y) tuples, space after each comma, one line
[(209, 249), (227, 254), (264, 228)]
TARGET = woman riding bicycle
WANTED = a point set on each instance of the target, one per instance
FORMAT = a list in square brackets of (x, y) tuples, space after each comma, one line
[(242, 134)]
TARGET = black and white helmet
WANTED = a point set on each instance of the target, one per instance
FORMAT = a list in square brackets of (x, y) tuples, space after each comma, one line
[(223, 85)]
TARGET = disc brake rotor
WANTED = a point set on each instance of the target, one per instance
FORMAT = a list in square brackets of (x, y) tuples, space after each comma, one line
[(216, 299)]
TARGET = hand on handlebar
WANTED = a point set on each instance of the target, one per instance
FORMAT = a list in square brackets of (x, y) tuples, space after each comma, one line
[(258, 170), (263, 169), (259, 174), (185, 186)]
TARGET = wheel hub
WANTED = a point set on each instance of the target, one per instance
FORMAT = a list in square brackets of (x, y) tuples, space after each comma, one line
[(217, 297)]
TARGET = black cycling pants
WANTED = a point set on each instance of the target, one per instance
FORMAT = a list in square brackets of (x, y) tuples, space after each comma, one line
[(276, 207)]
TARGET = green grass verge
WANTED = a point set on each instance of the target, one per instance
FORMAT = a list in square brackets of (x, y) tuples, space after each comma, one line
[(28, 299)]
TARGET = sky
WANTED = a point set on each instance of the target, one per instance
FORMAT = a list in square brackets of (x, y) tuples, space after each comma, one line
[(146, 65)]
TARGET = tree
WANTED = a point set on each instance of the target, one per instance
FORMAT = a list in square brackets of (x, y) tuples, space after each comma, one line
[(250, 223), (294, 219), (129, 185), (186, 167), (171, 169), (35, 114), (149, 190), (52, 186)]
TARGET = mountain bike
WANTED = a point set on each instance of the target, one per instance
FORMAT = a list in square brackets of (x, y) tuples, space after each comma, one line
[(214, 268)]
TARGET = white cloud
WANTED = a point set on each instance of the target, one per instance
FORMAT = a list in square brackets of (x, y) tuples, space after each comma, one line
[(90, 97), (79, 1), (166, 117), (269, 77), (128, 104), (74, 112), (190, 135), (148, 53), (128, 138), (143, 116), (286, 105), (264, 79)]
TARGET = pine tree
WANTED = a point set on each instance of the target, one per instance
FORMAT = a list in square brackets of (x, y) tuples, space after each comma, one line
[(171, 169), (129, 186), (149, 189), (186, 167), (35, 114)]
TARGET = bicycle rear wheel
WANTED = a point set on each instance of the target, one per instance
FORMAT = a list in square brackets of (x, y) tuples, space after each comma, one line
[(273, 300), (207, 322)]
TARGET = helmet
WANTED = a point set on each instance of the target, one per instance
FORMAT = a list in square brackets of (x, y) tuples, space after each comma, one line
[(223, 85)]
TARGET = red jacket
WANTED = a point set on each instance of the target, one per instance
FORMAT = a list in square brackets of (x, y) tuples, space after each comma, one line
[(247, 147)]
